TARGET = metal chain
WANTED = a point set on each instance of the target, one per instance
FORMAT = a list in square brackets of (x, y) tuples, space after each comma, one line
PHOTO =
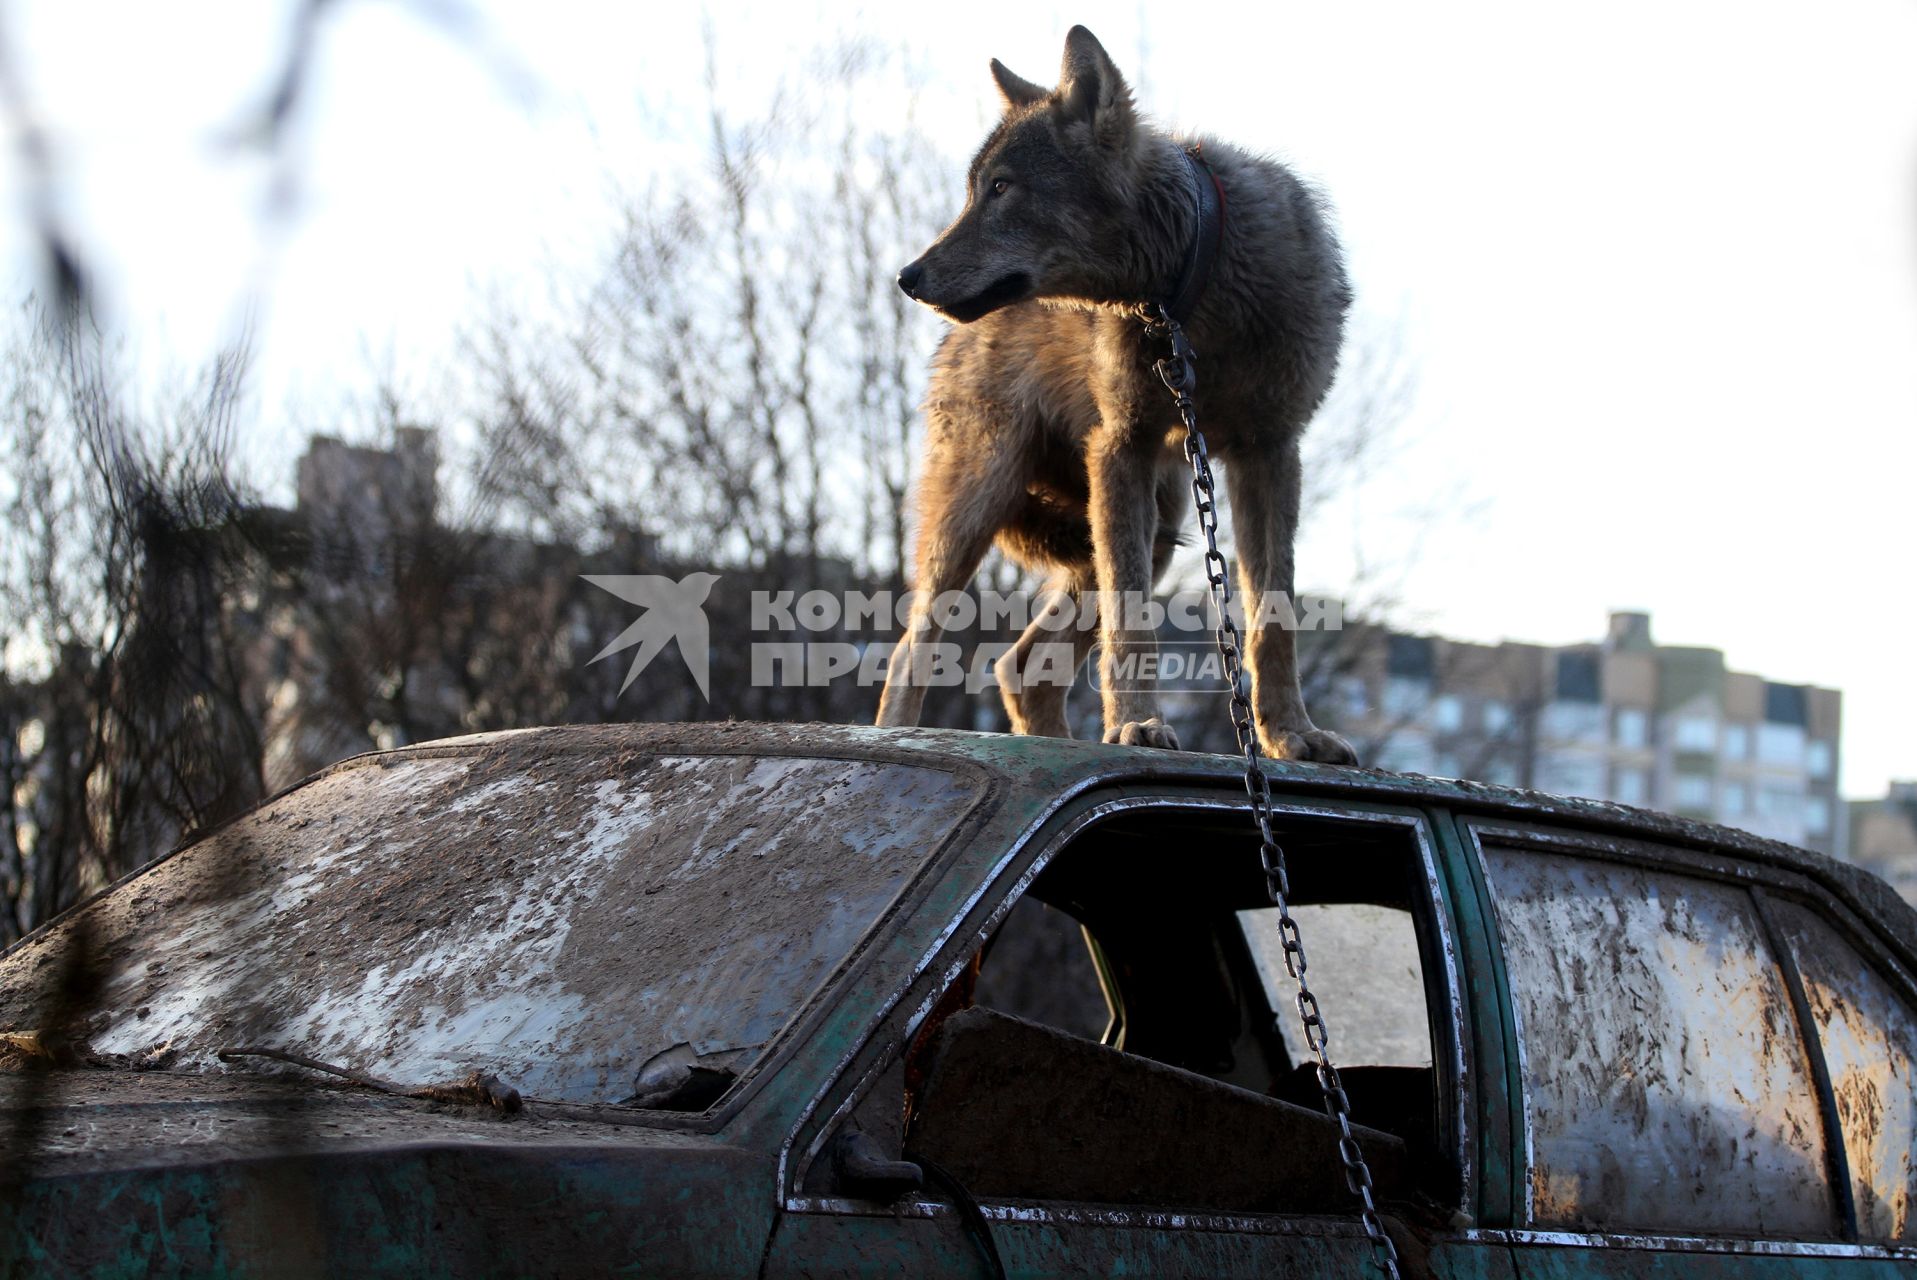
[(1178, 371)]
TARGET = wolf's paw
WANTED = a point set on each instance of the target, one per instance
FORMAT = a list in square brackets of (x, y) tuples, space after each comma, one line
[(1144, 733), (1320, 745)]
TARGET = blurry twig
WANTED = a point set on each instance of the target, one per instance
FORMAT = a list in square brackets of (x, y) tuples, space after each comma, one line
[(67, 281)]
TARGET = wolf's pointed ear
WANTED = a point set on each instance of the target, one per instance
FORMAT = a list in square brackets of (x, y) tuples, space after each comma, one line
[(1016, 91), (1090, 89)]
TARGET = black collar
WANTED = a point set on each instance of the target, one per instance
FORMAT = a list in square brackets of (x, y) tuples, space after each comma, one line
[(1210, 195)]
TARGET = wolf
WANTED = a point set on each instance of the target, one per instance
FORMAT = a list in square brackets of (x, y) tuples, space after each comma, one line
[(1047, 430)]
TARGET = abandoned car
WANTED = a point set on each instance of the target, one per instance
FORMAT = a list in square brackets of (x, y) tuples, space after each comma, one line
[(755, 1000)]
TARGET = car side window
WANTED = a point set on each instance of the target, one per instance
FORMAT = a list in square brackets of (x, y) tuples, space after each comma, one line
[(1365, 964), (1041, 967), (1667, 1085), (1869, 1039), (1130, 994)]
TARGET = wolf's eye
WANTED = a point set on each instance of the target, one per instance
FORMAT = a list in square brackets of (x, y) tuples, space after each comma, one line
[(1001, 186)]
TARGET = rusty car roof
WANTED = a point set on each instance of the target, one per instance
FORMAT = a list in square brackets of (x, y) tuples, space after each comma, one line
[(1056, 766)]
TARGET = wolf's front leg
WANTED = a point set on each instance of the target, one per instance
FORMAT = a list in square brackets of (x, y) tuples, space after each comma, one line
[(1124, 519), (964, 492), (1264, 510), (913, 668)]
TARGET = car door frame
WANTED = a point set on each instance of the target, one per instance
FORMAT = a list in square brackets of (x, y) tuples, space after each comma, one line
[(1655, 850), (1456, 1034)]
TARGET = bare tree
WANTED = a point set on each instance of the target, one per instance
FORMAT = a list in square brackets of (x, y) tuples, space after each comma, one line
[(737, 390), (125, 616)]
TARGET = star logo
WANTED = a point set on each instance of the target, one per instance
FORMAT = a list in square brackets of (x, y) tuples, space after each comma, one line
[(673, 611)]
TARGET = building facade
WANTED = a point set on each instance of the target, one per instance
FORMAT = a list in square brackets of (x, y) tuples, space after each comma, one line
[(1883, 836), (1626, 719)]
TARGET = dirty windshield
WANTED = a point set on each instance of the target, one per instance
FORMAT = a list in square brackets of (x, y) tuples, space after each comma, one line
[(586, 927)]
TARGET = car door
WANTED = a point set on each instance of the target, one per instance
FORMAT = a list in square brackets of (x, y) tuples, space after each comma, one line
[(1095, 1076), (1680, 1018)]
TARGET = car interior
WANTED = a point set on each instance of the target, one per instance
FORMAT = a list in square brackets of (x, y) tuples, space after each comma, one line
[(1138, 988)]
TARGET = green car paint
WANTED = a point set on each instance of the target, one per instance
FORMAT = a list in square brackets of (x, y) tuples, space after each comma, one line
[(433, 1191)]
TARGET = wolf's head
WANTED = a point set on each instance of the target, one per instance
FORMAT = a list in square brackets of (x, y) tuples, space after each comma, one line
[(1047, 196)]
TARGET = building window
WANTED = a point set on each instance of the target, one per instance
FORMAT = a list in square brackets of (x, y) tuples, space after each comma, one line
[(1734, 800), (1786, 704), (1357, 702), (1697, 733), (1405, 698), (1817, 759), (1406, 753), (1780, 744), (1410, 657), (1693, 792), (1783, 803), (1574, 776), (1817, 816), (1447, 713), (1579, 678), (1497, 717), (1630, 786), (1576, 721), (1630, 728), (1737, 742)]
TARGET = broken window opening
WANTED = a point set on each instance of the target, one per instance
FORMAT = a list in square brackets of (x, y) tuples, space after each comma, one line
[(1129, 994)]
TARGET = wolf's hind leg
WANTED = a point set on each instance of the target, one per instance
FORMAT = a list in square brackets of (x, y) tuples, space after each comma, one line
[(1264, 489), (1036, 673)]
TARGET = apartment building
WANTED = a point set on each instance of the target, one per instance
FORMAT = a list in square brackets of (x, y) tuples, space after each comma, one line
[(1883, 836), (1660, 726)]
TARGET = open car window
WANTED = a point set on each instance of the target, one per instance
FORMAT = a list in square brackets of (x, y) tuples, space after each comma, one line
[(1130, 993), (1047, 972)]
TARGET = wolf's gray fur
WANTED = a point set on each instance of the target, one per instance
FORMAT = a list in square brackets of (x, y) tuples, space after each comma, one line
[(1047, 430)]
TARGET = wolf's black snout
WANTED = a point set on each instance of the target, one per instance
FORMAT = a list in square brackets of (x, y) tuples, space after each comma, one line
[(909, 277)]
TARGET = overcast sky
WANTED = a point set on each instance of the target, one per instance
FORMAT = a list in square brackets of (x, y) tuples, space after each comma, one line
[(1656, 263)]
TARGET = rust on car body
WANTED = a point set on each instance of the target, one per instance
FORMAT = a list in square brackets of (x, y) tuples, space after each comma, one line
[(1640, 1003), (579, 881), (427, 916)]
